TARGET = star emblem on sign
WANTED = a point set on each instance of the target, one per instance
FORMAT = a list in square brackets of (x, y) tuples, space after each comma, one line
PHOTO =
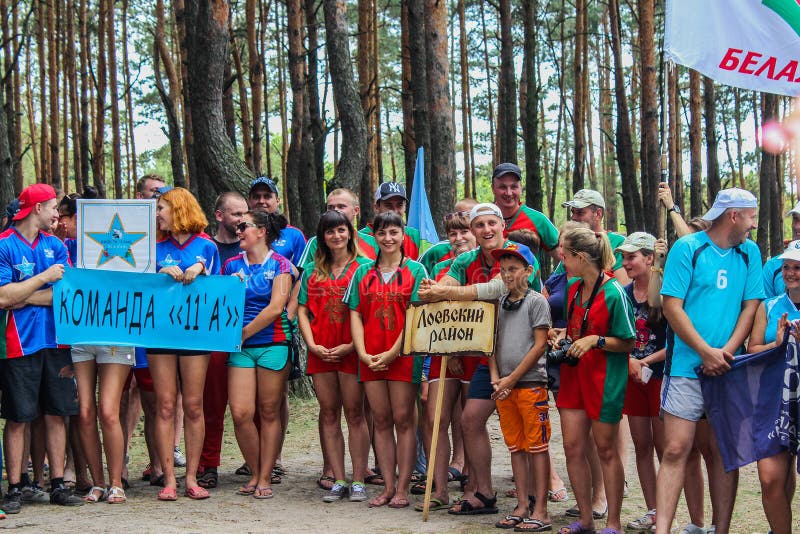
[(25, 268), (116, 242)]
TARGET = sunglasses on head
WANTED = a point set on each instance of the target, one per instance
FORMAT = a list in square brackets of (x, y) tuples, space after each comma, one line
[(453, 215), (242, 226)]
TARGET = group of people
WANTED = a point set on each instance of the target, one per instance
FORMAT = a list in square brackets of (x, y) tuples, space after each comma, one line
[(614, 334)]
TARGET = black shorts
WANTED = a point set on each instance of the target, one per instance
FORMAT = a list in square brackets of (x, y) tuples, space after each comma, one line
[(480, 387), (41, 382)]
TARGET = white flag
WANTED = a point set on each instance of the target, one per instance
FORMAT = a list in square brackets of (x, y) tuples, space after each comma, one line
[(752, 44)]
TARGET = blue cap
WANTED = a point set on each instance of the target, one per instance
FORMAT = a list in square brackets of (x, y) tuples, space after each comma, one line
[(162, 190), (267, 182), (514, 249)]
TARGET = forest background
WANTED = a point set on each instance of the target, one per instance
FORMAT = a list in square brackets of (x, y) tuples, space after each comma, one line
[(321, 94)]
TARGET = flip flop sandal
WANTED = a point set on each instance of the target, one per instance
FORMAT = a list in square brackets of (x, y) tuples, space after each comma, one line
[(609, 530), (375, 479), (435, 504), (467, 508), (168, 494), (208, 479), (534, 525), (262, 492), (576, 528), (453, 474), (513, 521), (399, 503), (275, 478), (599, 515), (244, 471), (279, 469), (197, 493), (321, 481), (92, 497), (116, 495), (419, 488), (380, 500), (246, 490), (416, 476), (558, 495)]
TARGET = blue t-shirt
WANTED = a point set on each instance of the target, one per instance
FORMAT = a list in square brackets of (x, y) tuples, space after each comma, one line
[(198, 248), (556, 286), (713, 283), (775, 307), (259, 279), (773, 277), (290, 244), (31, 328), (72, 250)]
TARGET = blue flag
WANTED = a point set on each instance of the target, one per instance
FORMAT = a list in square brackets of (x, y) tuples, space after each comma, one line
[(419, 211), (746, 407)]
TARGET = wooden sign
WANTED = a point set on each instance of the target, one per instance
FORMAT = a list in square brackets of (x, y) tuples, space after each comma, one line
[(449, 328)]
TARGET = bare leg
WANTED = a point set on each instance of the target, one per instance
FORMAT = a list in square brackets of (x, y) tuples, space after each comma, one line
[(271, 388), (607, 442), (112, 381), (575, 431), (402, 396), (242, 399), (86, 374), (383, 436), (330, 421), (357, 433), (164, 369), (678, 438), (193, 382)]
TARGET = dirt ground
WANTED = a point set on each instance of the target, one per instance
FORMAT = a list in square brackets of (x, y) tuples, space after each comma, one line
[(297, 506)]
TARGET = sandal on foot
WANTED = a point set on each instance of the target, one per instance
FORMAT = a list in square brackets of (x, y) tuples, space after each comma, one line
[(509, 521), (324, 479), (263, 492), (488, 506), (197, 493), (209, 478), (275, 478), (609, 530), (116, 495), (244, 471), (375, 479), (558, 495), (92, 496), (246, 490), (419, 488), (453, 474), (399, 502), (380, 500), (534, 525), (168, 494), (576, 528), (435, 504), (279, 469)]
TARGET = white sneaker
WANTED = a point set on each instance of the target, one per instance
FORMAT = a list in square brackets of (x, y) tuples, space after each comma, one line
[(180, 459), (644, 523), (691, 528)]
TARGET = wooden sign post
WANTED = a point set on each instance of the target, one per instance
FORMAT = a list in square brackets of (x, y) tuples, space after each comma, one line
[(447, 328)]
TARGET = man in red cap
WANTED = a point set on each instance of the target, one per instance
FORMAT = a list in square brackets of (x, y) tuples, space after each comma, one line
[(37, 375)]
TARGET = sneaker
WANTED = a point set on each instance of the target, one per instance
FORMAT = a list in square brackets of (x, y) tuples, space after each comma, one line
[(358, 492), (34, 494), (691, 528), (644, 522), (337, 493), (63, 496), (12, 501), (180, 459)]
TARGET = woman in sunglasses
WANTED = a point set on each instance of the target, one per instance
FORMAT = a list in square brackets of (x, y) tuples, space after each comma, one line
[(378, 296), (332, 362), (184, 252), (258, 373)]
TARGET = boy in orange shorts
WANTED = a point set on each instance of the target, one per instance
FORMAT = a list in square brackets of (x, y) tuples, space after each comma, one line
[(519, 380)]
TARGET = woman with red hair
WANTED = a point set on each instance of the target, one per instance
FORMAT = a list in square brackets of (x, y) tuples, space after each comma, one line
[(183, 252)]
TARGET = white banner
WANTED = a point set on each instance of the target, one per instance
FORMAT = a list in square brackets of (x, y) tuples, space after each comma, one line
[(751, 44), (117, 235)]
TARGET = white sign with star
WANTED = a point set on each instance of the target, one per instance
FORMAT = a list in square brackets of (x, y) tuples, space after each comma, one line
[(117, 235)]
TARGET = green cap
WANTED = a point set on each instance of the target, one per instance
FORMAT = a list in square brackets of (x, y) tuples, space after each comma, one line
[(585, 197), (637, 241)]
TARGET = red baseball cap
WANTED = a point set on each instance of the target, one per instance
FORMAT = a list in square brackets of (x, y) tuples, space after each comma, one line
[(32, 195)]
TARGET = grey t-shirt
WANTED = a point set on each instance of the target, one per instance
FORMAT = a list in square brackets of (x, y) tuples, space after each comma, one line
[(515, 336)]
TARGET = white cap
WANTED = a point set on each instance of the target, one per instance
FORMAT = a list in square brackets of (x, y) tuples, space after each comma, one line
[(792, 251), (730, 198), (485, 208), (584, 198), (795, 210)]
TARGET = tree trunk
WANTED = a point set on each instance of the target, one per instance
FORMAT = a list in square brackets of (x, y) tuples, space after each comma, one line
[(767, 177), (264, 18), (316, 127), (132, 172), (112, 71), (695, 144), (649, 150), (607, 136), (631, 201), (84, 94), (218, 165), (368, 88), (184, 84), (466, 139), (712, 145), (533, 182), (737, 119), (442, 180), (279, 37), (488, 71), (579, 70), (168, 98), (345, 94), (407, 98), (419, 84), (7, 193), (98, 153), (244, 108), (507, 90), (256, 75)]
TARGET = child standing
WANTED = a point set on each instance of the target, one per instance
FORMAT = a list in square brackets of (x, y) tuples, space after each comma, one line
[(519, 381)]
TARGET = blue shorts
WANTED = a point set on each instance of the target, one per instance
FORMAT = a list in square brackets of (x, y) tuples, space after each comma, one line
[(480, 387), (273, 357)]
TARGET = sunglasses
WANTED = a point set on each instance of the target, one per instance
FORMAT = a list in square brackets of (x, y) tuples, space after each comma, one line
[(242, 226), (453, 215)]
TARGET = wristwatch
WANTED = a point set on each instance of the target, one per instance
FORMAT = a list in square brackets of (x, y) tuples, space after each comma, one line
[(675, 208), (601, 342)]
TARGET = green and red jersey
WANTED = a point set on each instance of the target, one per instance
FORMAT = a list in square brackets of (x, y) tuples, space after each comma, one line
[(382, 306), (441, 268), (438, 252), (530, 219), (330, 317), (473, 268), (365, 243), (411, 240), (597, 383)]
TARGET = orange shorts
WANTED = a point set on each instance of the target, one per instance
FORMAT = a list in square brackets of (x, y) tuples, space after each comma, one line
[(524, 419)]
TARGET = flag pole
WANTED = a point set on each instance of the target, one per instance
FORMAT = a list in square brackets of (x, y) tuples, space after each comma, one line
[(662, 211)]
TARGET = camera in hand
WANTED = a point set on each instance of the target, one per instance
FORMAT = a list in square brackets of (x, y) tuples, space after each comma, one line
[(558, 355)]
